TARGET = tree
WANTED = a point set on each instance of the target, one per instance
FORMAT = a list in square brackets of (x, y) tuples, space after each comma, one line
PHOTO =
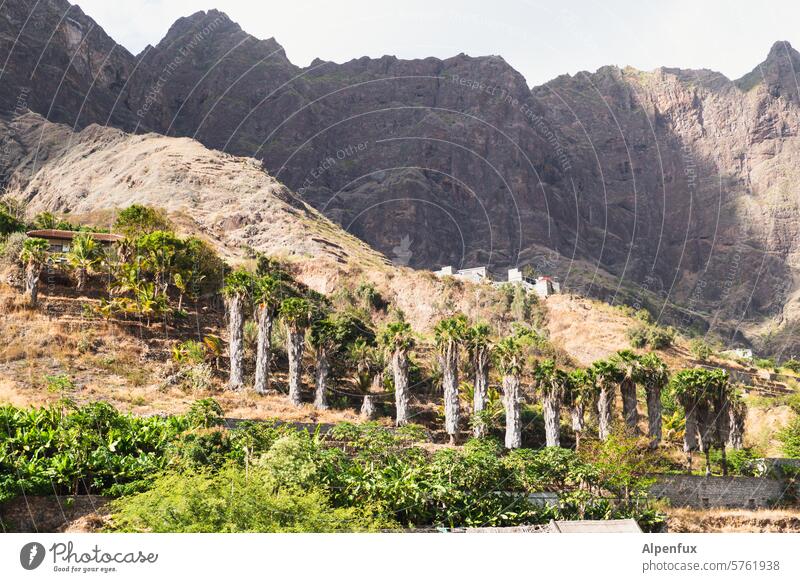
[(479, 347), (508, 359), (607, 375), (160, 250), (551, 383), (628, 364), (704, 395), (34, 257), (322, 337), (266, 297), (9, 223), (653, 374), (580, 391), (84, 255), (237, 291), (398, 340), (137, 220), (295, 313), (449, 334)]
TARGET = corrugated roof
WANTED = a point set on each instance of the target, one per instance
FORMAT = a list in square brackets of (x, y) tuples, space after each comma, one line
[(51, 233), (596, 526)]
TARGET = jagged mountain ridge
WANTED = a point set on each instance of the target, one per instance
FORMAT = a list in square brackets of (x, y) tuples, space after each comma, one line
[(679, 183)]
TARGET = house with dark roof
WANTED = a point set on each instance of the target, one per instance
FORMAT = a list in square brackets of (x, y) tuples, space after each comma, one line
[(60, 241)]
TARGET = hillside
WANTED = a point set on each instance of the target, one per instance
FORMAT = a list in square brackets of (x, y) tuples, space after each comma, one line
[(676, 188)]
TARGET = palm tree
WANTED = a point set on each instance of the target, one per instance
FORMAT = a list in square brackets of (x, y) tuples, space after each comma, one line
[(508, 358), (266, 297), (160, 250), (84, 254), (34, 257), (449, 334), (322, 337), (654, 376), (607, 375), (237, 290), (704, 395), (397, 338), (721, 391), (628, 364), (479, 347), (551, 382), (295, 313), (581, 390)]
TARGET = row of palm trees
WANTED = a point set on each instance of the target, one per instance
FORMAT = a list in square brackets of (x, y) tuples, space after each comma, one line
[(516, 360)]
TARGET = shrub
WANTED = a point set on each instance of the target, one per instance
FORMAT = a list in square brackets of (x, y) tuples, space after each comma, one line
[(235, 501), (637, 335), (11, 249), (137, 220), (793, 365), (205, 413), (790, 437), (660, 337), (700, 349), (189, 352)]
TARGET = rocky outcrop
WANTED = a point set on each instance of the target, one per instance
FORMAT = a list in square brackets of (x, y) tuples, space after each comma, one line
[(680, 184)]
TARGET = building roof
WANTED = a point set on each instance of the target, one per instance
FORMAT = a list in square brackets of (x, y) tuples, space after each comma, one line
[(596, 526), (51, 233)]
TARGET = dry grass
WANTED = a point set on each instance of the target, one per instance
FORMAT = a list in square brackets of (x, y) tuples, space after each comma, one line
[(733, 520)]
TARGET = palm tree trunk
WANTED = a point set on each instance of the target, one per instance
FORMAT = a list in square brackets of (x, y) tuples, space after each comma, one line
[(511, 403), (32, 274), (605, 408), (654, 415), (82, 276), (689, 433), (551, 408), (368, 407), (738, 412), (401, 395), (321, 390), (578, 416), (480, 393), (629, 411), (295, 353), (235, 342), (450, 384), (263, 350)]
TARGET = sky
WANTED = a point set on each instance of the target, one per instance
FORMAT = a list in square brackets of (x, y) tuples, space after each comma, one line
[(541, 39)]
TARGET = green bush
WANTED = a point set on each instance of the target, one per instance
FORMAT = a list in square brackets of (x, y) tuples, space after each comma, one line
[(790, 437), (235, 500)]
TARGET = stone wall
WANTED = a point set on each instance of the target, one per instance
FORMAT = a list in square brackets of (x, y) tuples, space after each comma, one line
[(699, 492), (47, 514)]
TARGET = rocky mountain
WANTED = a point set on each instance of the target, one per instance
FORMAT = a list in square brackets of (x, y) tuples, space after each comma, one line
[(674, 189)]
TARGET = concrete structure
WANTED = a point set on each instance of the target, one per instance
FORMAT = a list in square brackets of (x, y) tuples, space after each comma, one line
[(474, 274), (61, 240), (542, 286), (741, 353), (595, 526), (701, 492)]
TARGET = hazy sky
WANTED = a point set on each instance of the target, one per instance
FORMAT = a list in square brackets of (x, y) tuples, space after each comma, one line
[(541, 39)]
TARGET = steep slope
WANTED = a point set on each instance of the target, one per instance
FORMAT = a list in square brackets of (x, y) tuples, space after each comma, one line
[(230, 200), (681, 184)]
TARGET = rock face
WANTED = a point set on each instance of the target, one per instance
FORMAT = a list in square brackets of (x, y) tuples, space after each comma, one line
[(670, 187)]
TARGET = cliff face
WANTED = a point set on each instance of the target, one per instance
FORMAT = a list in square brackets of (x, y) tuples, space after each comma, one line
[(680, 184)]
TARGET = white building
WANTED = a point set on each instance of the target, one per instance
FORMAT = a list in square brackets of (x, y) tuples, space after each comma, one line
[(542, 286), (474, 275)]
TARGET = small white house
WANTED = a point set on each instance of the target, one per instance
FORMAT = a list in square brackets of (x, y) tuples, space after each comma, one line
[(474, 274)]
